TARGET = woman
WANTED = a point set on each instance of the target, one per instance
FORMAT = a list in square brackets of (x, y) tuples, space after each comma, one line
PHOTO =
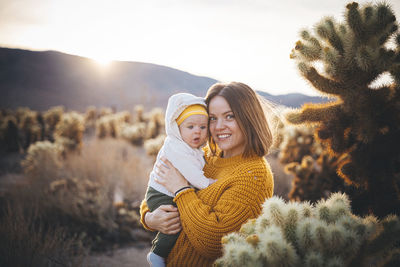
[(239, 139)]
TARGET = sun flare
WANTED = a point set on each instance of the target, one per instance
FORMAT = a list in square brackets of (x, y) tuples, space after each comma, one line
[(102, 61)]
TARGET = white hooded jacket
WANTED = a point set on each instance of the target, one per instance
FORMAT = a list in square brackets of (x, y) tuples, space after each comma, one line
[(187, 160)]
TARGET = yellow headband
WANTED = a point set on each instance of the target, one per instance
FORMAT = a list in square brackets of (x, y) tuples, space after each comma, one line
[(191, 110)]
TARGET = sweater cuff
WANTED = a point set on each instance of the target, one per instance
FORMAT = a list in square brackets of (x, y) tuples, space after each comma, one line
[(182, 193), (143, 210)]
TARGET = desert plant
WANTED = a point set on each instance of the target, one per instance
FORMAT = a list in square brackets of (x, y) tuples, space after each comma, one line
[(102, 127), (297, 142), (135, 133), (43, 161), (79, 191), (314, 179), (69, 131), (27, 241), (152, 146), (51, 118), (30, 128), (138, 110), (104, 111), (301, 234), (156, 123), (90, 119), (9, 134), (314, 169), (362, 126), (111, 125)]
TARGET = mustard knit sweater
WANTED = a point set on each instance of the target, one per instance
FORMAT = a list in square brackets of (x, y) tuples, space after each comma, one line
[(207, 215)]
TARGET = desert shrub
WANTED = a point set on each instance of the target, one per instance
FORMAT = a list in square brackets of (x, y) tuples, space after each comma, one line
[(152, 146), (139, 114), (135, 133), (90, 118), (314, 169), (111, 125), (51, 118), (155, 123), (9, 134), (30, 129), (104, 111), (84, 191), (27, 241), (361, 127), (102, 127), (69, 131), (20, 113), (298, 142), (43, 162), (301, 234)]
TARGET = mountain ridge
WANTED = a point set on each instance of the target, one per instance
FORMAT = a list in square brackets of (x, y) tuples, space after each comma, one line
[(42, 79)]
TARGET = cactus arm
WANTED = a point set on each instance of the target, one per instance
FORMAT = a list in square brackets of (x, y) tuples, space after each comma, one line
[(323, 84), (314, 113)]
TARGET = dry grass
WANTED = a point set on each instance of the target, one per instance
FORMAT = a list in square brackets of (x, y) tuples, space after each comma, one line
[(27, 241), (95, 192), (115, 164)]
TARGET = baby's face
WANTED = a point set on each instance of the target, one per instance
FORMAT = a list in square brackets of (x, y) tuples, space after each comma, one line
[(194, 130)]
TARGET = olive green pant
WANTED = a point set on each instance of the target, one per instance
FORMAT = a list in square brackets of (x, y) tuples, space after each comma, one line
[(162, 243)]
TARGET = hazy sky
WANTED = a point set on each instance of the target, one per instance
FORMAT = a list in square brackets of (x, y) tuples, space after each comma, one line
[(229, 40)]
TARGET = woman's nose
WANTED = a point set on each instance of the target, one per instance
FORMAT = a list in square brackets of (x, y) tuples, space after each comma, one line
[(219, 124)]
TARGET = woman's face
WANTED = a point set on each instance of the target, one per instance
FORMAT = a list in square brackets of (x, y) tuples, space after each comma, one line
[(224, 128)]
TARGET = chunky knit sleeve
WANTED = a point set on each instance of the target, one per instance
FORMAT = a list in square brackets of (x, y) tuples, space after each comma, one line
[(143, 210), (240, 199)]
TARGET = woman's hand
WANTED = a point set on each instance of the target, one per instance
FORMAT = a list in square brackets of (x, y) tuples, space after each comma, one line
[(169, 176), (164, 219)]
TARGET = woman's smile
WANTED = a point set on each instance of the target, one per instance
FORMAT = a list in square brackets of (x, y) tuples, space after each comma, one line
[(224, 128)]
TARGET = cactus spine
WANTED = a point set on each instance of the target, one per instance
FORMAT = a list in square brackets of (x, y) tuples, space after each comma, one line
[(301, 234), (362, 127)]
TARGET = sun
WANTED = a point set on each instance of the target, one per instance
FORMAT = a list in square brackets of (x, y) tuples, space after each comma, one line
[(102, 61)]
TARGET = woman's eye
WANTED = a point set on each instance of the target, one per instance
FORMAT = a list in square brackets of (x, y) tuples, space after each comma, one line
[(212, 119), (230, 116), (203, 127), (190, 127)]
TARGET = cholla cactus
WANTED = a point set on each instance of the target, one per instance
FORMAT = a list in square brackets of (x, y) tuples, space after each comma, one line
[(87, 201), (31, 130), (313, 167), (9, 134), (90, 119), (20, 112), (315, 178), (298, 142), (102, 127), (152, 146), (69, 131), (300, 234), (112, 124), (43, 160), (51, 118), (105, 111), (139, 114), (362, 127), (91, 113), (134, 133), (156, 123)]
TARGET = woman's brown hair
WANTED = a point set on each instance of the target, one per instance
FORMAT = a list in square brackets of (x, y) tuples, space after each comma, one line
[(249, 115)]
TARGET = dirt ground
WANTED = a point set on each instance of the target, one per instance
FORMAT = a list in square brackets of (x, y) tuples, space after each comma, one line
[(133, 256)]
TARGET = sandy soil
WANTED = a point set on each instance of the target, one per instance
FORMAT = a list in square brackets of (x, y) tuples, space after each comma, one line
[(123, 257)]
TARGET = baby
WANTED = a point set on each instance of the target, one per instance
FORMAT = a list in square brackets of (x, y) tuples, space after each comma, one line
[(186, 122)]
